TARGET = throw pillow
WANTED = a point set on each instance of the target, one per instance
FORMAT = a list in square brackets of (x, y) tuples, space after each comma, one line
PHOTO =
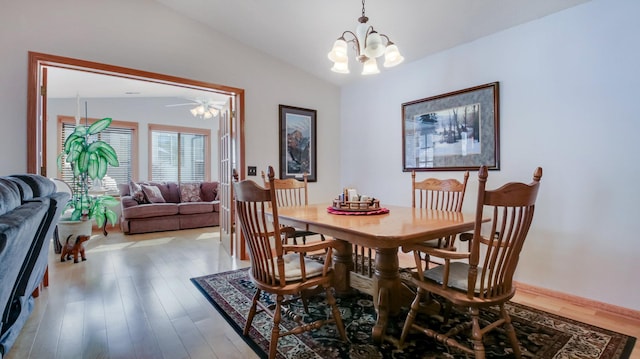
[(190, 192), (153, 194), (208, 191), (135, 190)]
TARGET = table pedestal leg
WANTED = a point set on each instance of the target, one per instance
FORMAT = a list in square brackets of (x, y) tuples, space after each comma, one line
[(386, 282), (342, 267)]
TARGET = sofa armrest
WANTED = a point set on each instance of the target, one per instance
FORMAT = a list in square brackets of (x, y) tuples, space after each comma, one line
[(128, 201)]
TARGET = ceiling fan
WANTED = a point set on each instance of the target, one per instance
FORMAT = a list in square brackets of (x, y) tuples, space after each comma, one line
[(202, 108)]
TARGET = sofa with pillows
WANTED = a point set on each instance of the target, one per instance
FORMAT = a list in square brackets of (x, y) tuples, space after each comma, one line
[(166, 206), (30, 208)]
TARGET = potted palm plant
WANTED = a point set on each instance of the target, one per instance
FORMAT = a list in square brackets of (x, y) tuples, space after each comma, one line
[(89, 158)]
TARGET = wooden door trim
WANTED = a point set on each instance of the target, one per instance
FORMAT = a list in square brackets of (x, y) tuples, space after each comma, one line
[(36, 60)]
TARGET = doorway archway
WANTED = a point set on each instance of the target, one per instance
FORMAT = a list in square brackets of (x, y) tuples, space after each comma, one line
[(36, 109)]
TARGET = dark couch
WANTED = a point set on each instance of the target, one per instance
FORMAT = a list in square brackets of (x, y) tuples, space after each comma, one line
[(170, 210), (29, 211)]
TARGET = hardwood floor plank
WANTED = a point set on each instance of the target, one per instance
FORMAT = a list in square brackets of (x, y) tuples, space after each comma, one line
[(192, 339), (71, 332)]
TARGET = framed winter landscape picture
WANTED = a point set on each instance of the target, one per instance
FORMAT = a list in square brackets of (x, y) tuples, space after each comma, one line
[(297, 143), (453, 131)]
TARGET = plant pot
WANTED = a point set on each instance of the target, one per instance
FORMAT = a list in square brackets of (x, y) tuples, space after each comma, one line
[(71, 229)]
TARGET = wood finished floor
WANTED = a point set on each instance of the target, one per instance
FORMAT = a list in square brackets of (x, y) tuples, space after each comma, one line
[(132, 298)]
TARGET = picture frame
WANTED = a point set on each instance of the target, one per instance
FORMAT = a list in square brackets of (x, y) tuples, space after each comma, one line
[(455, 131), (298, 143)]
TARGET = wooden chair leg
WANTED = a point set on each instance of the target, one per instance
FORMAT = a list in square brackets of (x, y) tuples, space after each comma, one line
[(36, 292), (476, 334), (511, 332), (336, 313), (275, 331), (252, 312), (308, 293), (411, 317)]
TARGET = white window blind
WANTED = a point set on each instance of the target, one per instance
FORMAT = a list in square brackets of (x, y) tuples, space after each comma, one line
[(120, 139), (178, 156)]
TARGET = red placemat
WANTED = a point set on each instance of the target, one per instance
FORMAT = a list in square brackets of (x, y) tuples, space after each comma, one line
[(357, 213)]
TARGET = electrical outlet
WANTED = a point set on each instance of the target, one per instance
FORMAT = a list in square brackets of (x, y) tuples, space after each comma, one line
[(252, 171)]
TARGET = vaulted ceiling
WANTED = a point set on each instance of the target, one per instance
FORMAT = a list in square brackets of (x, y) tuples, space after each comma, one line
[(301, 32)]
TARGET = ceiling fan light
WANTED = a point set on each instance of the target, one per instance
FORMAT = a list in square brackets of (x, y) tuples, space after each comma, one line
[(370, 67), (392, 56), (194, 111), (208, 115)]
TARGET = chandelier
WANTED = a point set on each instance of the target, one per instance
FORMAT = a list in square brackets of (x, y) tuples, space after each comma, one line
[(369, 45), (205, 111)]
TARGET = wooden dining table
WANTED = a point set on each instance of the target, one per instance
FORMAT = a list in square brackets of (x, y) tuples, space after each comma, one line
[(385, 233)]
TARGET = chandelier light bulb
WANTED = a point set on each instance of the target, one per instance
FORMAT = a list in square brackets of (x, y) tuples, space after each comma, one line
[(370, 67), (339, 51), (341, 67), (374, 46), (392, 56)]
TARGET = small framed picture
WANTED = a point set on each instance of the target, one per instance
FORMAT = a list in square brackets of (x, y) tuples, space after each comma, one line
[(297, 143)]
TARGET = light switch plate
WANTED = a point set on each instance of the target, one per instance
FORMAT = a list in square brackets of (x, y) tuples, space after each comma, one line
[(252, 171)]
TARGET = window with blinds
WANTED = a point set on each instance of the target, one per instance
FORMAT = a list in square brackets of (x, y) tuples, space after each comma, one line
[(178, 155), (121, 139)]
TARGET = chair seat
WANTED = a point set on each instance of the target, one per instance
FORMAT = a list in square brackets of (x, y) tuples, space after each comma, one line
[(434, 243), (303, 233), (458, 276), (292, 270)]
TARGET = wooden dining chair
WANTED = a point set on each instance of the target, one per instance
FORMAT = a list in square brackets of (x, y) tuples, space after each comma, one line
[(278, 268), (438, 194), (291, 192), (430, 193), (482, 277)]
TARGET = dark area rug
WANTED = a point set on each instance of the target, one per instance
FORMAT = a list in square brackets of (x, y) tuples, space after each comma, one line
[(541, 334)]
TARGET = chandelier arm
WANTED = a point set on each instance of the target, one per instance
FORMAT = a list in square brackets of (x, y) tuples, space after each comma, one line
[(354, 40)]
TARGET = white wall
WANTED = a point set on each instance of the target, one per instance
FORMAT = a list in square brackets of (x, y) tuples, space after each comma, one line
[(144, 35), (143, 111), (568, 103)]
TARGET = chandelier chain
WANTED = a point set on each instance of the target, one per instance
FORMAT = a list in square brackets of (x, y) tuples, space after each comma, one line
[(363, 8)]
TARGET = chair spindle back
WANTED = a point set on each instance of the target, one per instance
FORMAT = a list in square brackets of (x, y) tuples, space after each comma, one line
[(495, 252), (433, 193), (263, 236)]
